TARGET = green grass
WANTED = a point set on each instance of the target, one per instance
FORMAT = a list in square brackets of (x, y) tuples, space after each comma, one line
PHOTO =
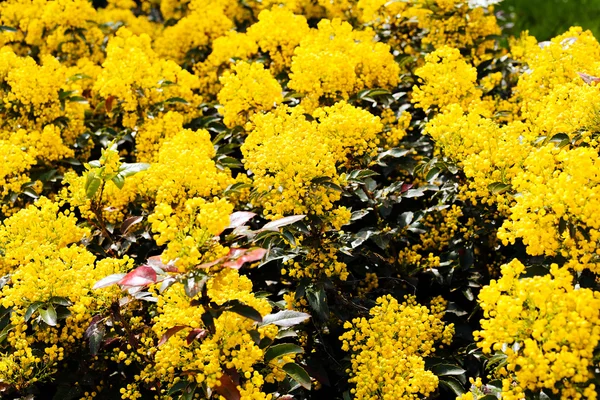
[(547, 18)]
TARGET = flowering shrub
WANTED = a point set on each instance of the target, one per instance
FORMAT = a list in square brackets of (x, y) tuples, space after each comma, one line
[(294, 199)]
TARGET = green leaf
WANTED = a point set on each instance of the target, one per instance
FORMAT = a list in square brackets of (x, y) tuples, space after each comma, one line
[(285, 318), (177, 100), (282, 349), (298, 374), (92, 184), (48, 315), (78, 99), (127, 169), (246, 311), (499, 187), (32, 309), (318, 302), (61, 301), (447, 369), (119, 181), (4, 28), (453, 384)]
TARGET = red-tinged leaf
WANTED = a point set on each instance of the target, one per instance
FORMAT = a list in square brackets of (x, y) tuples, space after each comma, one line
[(405, 187), (210, 264), (156, 261), (108, 281), (196, 334), (589, 79), (170, 332), (108, 103), (240, 256), (240, 218), (141, 276), (227, 389), (129, 222)]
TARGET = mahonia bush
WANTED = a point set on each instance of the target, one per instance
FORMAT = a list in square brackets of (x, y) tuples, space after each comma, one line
[(276, 199)]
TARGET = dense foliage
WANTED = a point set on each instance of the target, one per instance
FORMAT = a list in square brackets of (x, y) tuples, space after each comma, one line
[(294, 199)]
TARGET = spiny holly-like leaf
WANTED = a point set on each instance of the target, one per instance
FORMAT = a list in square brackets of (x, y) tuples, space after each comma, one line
[(141, 276), (32, 309)]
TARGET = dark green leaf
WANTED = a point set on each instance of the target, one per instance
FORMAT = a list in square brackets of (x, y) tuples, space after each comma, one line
[(246, 311), (298, 374), (318, 302), (61, 301), (177, 100), (48, 315), (453, 384), (32, 309), (447, 369), (282, 349)]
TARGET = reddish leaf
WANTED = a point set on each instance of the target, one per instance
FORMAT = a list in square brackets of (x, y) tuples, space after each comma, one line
[(196, 334), (239, 218), (141, 276), (170, 332), (227, 389), (156, 261), (237, 257), (129, 222), (405, 187), (589, 79), (108, 103)]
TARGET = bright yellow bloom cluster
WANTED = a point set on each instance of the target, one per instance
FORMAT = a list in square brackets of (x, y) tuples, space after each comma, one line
[(190, 230), (206, 21), (250, 88), (337, 61), (278, 32), (225, 49), (231, 346), (447, 79), (547, 328), (137, 78), (388, 349), (52, 276), (285, 153)]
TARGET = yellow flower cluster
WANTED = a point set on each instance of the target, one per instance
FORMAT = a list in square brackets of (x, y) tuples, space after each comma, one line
[(278, 32), (547, 328), (250, 89), (136, 77), (285, 153), (388, 349), (230, 347), (190, 230), (51, 278), (556, 182), (336, 61)]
